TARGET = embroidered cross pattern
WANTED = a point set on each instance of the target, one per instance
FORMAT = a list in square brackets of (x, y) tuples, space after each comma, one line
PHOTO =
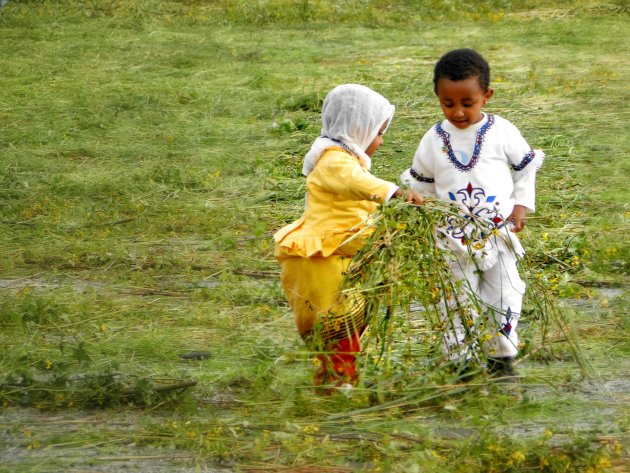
[(474, 200)]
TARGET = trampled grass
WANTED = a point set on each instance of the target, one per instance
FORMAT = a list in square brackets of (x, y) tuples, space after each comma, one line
[(148, 151)]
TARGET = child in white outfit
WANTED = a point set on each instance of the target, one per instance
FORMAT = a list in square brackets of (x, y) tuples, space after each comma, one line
[(482, 165)]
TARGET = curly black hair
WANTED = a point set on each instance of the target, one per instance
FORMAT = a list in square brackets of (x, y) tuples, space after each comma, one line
[(461, 64)]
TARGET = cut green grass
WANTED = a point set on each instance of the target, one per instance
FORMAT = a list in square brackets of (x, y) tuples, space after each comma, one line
[(148, 150)]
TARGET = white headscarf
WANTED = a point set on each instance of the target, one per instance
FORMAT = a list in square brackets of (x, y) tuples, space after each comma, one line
[(352, 116)]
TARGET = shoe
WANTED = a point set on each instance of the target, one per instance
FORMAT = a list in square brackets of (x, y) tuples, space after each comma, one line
[(346, 389), (501, 368), (465, 371), (340, 387), (506, 377)]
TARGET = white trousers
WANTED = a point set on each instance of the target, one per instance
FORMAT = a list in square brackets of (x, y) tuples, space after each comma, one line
[(485, 311)]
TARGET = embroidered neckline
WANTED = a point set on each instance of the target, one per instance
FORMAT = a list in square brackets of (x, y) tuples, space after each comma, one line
[(446, 141)]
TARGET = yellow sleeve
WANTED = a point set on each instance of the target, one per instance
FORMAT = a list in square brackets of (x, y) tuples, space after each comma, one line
[(340, 173)]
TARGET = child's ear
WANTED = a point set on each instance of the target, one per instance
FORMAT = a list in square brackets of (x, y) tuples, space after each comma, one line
[(488, 95)]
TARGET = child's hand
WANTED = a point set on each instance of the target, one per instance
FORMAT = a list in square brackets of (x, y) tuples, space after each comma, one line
[(409, 196), (518, 217)]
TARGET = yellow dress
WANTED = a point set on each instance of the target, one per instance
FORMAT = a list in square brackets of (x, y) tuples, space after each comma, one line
[(314, 251)]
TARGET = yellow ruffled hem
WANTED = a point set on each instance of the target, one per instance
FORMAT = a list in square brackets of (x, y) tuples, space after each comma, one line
[(293, 241)]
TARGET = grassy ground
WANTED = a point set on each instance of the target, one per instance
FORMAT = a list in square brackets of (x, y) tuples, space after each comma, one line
[(150, 149)]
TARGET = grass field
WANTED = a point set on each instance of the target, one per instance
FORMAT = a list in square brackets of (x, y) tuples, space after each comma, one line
[(148, 151)]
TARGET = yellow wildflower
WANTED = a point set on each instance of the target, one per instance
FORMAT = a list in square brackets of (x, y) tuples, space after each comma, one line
[(518, 456), (603, 462), (438, 456), (310, 429)]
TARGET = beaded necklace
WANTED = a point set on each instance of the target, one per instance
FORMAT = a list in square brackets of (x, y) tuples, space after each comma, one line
[(339, 142)]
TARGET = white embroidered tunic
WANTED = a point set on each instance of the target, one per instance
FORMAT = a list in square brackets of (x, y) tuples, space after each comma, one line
[(484, 170)]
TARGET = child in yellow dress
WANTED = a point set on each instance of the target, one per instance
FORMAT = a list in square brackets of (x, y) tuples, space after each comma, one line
[(315, 250)]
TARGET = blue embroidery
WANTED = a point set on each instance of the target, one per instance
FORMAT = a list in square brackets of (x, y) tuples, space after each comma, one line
[(420, 177), (446, 140), (525, 161), (479, 220)]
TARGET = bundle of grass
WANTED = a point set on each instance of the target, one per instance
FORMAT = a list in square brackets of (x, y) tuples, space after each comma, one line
[(412, 301)]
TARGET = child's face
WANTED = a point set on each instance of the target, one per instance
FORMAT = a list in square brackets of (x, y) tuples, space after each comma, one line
[(462, 100), (377, 142)]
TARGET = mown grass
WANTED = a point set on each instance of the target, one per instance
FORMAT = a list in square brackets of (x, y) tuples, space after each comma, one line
[(149, 150)]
